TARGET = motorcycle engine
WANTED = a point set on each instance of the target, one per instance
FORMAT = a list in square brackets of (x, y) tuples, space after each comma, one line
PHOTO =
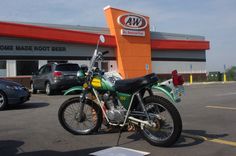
[(116, 115), (115, 112)]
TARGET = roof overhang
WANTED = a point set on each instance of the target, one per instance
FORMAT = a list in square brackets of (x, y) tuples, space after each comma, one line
[(10, 29)]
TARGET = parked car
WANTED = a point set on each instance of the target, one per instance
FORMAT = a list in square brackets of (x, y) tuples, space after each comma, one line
[(12, 93), (55, 77)]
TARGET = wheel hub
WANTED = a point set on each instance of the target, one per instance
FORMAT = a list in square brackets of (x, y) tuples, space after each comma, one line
[(81, 119), (156, 125)]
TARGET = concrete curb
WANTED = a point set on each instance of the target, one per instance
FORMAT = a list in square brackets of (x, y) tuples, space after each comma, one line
[(209, 83)]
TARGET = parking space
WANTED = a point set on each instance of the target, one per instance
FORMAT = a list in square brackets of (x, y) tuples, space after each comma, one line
[(208, 113)]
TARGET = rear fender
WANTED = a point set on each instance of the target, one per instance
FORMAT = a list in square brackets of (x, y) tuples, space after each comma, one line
[(73, 89), (167, 88)]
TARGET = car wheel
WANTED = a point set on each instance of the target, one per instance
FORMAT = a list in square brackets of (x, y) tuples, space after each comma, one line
[(48, 89), (32, 89), (3, 100)]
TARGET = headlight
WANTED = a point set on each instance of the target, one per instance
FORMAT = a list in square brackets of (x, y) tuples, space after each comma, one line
[(14, 87), (80, 75)]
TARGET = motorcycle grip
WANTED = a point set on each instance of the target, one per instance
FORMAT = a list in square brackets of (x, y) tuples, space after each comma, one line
[(105, 52)]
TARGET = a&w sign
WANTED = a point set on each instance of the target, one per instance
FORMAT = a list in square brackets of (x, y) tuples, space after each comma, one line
[(133, 24)]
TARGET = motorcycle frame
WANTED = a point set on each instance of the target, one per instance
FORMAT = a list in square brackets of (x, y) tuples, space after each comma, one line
[(128, 111)]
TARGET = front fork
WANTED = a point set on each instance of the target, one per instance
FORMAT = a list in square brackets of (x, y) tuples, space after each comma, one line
[(80, 112)]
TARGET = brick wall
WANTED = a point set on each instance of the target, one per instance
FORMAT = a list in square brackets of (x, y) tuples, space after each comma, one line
[(24, 80)]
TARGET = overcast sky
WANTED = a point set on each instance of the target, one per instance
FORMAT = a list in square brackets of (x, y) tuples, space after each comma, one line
[(214, 19)]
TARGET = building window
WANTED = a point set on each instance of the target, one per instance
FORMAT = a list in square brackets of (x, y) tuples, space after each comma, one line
[(26, 67), (3, 68)]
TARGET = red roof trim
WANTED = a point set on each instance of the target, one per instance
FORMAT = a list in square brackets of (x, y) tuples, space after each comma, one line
[(71, 36), (55, 34), (179, 45)]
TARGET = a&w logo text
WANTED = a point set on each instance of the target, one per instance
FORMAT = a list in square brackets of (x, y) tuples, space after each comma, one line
[(132, 21)]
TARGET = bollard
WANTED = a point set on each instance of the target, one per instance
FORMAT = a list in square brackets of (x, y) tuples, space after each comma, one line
[(225, 77), (191, 79)]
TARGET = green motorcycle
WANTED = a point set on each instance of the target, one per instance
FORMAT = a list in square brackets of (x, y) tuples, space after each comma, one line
[(117, 102)]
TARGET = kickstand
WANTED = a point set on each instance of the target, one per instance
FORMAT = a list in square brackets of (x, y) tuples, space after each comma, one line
[(121, 130)]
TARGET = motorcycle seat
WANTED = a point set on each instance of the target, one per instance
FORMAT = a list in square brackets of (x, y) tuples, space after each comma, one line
[(132, 85)]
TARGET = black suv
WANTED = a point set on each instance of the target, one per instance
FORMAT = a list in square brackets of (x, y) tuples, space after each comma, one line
[(55, 77)]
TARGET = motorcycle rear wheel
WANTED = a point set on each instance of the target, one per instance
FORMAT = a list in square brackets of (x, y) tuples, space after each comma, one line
[(90, 121), (169, 127)]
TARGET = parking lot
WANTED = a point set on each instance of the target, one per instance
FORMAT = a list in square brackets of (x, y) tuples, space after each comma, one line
[(209, 127)]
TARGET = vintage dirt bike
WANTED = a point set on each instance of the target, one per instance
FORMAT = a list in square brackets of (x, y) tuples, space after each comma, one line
[(121, 102)]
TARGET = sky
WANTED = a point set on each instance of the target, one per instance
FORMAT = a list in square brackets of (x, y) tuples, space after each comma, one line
[(214, 19)]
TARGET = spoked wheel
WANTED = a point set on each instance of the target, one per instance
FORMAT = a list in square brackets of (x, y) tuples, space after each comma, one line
[(167, 121), (91, 117), (3, 100), (32, 88), (48, 89)]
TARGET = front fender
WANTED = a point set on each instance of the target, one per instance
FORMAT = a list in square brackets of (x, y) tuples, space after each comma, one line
[(73, 89), (167, 91)]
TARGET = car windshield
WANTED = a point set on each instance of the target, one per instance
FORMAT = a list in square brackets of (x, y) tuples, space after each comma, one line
[(67, 67)]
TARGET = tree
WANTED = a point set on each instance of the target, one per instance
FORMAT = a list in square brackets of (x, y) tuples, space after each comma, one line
[(231, 73)]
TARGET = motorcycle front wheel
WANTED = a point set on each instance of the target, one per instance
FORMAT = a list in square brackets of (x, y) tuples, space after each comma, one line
[(167, 120), (91, 117)]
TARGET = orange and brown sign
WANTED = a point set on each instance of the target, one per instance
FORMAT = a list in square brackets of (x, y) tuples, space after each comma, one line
[(133, 41)]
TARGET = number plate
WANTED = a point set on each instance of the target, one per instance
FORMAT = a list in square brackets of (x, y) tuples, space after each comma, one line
[(178, 91)]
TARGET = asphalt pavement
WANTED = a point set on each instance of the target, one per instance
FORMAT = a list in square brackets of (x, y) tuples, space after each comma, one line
[(208, 113)]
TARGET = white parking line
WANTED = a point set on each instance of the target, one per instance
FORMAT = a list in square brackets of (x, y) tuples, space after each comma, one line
[(226, 94), (220, 107)]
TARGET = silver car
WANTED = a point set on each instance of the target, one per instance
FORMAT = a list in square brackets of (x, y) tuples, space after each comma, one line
[(12, 93), (55, 77)]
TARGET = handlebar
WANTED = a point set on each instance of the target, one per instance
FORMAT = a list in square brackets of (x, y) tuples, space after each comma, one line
[(97, 56), (105, 52), (101, 54)]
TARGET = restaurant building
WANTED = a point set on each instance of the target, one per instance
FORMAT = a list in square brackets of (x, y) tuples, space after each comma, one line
[(134, 50)]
